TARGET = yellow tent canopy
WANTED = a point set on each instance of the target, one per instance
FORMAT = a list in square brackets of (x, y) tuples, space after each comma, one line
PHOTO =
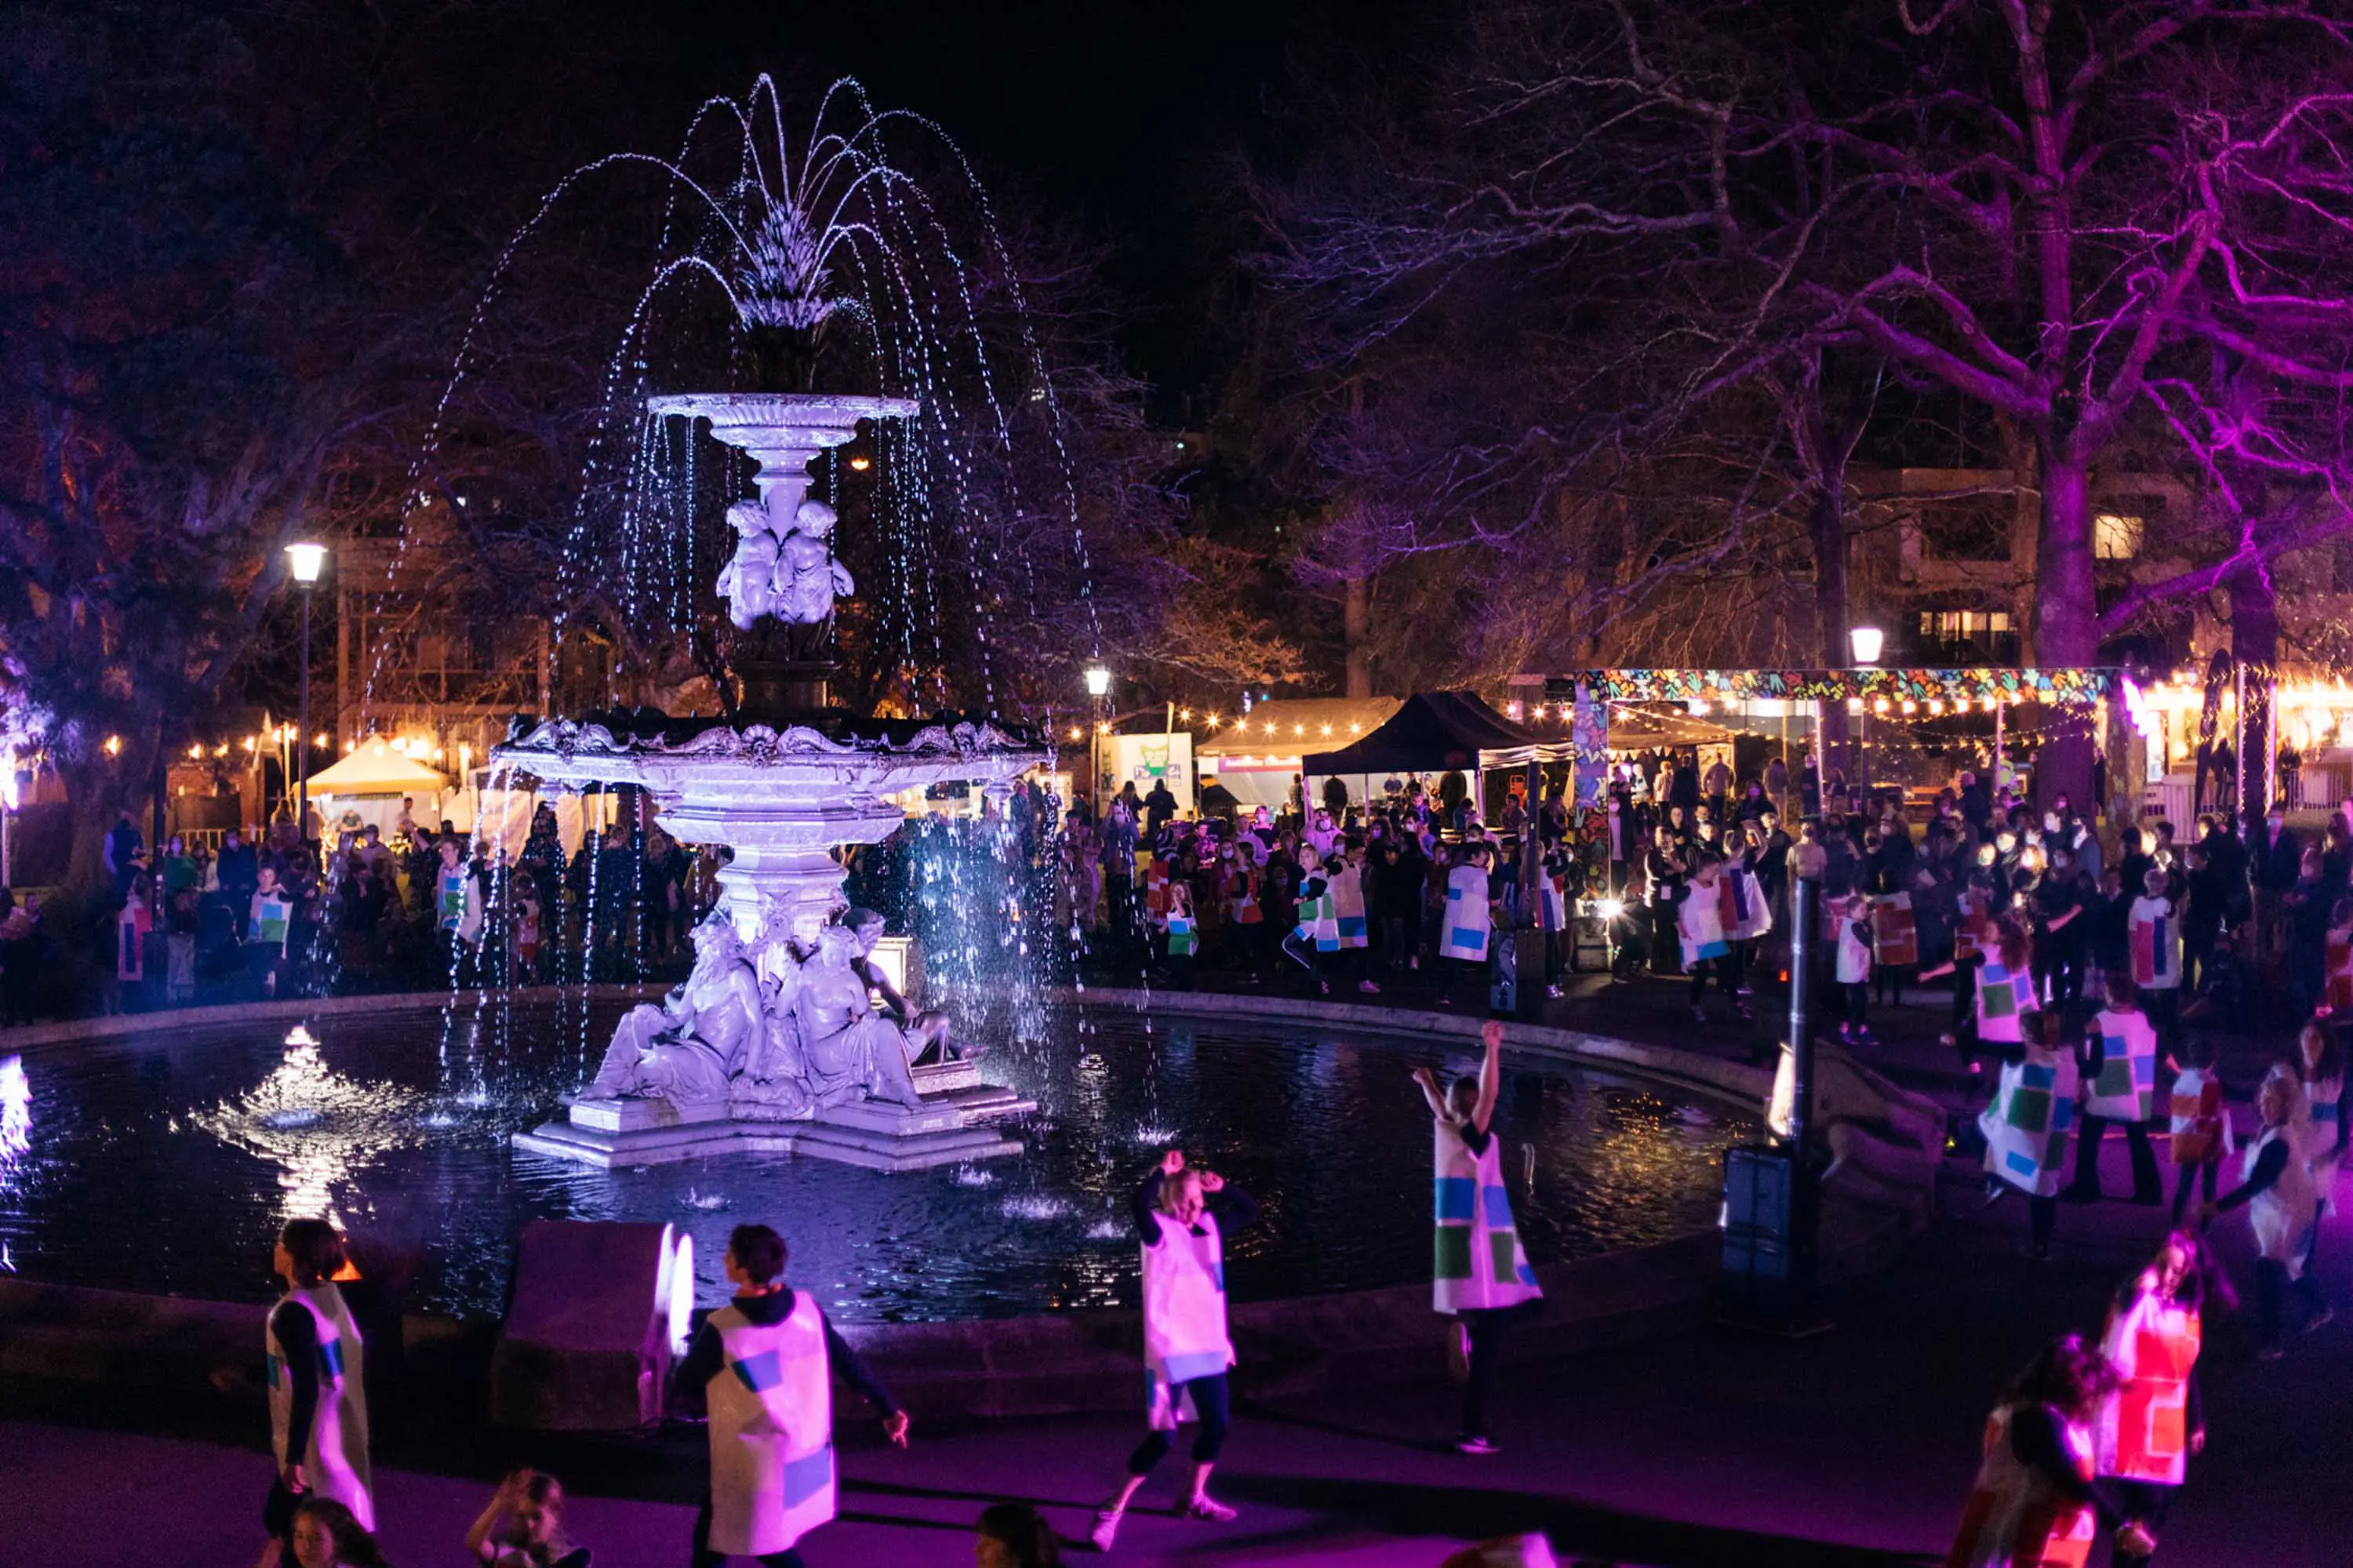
[(376, 769)]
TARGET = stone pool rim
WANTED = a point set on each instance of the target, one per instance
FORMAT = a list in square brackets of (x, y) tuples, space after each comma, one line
[(1041, 1364)]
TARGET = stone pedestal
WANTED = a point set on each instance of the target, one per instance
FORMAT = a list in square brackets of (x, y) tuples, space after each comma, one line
[(952, 1127)]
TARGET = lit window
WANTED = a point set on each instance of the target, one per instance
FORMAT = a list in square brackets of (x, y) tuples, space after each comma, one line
[(2115, 538)]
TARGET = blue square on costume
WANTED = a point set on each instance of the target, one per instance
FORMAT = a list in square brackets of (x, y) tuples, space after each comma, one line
[(1455, 1196), (807, 1475), (1527, 1274), (1497, 1202), (761, 1373), (2022, 1163), (331, 1358), (1196, 1364), (2035, 1076)]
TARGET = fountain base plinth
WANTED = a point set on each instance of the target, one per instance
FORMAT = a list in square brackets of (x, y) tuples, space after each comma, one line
[(952, 1127)]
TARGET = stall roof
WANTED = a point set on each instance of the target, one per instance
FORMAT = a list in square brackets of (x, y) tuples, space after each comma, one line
[(1433, 731), (1287, 726), (376, 769), (1644, 729)]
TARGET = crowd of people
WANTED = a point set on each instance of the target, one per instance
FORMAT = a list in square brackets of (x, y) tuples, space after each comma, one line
[(280, 913)]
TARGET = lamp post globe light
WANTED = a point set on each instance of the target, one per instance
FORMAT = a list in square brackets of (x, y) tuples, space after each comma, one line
[(306, 560), (1097, 681), (1864, 642)]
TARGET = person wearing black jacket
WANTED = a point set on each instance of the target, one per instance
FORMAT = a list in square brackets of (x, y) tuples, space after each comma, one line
[(741, 1457), (1187, 1347)]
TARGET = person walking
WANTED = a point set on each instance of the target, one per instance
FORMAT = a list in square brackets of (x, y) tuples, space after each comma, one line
[(2029, 1123), (1851, 921), (2036, 1503), (318, 1396), (764, 1365), (2118, 1065), (1467, 922), (2151, 1423), (2200, 1132), (1187, 1349), (1481, 1279)]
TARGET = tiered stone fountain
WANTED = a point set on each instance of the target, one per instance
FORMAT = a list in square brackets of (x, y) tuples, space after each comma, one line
[(776, 1044)]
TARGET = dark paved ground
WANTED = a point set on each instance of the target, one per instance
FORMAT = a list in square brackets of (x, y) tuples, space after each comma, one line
[(1853, 1447)]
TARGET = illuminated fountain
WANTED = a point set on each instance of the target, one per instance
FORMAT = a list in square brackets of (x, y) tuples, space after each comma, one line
[(774, 1044)]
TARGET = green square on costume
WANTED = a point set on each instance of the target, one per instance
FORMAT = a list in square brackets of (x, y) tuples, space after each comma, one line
[(1453, 1259), (2030, 1111), (1503, 1248)]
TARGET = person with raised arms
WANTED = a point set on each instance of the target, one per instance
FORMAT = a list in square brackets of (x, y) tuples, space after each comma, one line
[(1187, 1347), (1482, 1277)]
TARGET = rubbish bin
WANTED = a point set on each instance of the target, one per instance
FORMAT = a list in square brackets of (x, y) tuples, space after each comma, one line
[(1765, 1265)]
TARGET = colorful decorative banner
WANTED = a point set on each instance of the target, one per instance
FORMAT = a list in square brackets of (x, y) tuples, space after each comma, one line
[(1972, 685)]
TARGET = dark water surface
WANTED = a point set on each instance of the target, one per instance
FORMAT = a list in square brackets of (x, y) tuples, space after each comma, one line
[(164, 1163)]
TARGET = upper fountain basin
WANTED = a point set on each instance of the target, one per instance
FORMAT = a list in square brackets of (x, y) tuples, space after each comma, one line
[(755, 421), (859, 757)]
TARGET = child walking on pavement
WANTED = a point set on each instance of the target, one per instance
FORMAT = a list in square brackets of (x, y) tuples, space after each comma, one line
[(318, 1398), (764, 1365), (1187, 1349)]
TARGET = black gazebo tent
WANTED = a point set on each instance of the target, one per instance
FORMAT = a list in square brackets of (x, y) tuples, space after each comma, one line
[(1435, 731)]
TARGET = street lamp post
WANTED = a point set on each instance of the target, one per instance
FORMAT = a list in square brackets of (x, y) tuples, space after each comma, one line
[(1099, 688), (1865, 642), (306, 558)]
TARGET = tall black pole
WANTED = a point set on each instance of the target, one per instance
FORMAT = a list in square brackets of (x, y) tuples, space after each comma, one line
[(302, 741), (1807, 863), (1805, 916)]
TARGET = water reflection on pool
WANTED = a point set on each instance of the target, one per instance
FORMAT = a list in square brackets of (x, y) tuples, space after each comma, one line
[(166, 1162)]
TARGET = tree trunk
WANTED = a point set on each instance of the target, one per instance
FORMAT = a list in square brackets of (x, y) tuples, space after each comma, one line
[(2066, 625), (1831, 612), (2254, 643), (1356, 631)]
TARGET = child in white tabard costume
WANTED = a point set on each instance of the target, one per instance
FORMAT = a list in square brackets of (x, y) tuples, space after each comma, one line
[(2035, 1504), (1482, 1277), (764, 1367), (2320, 1073), (1187, 1349), (2151, 1423), (2200, 1132), (1345, 877), (2153, 937), (1314, 938), (317, 1402), (2120, 1086), (2028, 1125), (1464, 924), (1706, 947), (2280, 1207), (1851, 929)]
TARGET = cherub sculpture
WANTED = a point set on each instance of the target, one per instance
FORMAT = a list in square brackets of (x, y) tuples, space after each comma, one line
[(749, 581), (807, 578)]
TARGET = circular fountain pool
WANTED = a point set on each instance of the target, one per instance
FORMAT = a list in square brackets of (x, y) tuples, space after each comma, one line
[(164, 1162)]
